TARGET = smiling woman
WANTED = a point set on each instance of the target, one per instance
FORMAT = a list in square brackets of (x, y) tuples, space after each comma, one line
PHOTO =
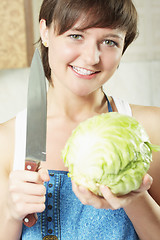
[(82, 43), (106, 14)]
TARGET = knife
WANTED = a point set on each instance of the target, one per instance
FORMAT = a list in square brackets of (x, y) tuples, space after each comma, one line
[(36, 122)]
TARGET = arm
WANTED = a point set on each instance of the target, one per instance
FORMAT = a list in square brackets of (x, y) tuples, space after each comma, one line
[(7, 152), (21, 196), (145, 216), (7, 222), (145, 212)]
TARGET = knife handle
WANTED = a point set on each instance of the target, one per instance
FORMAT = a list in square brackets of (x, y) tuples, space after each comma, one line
[(32, 218)]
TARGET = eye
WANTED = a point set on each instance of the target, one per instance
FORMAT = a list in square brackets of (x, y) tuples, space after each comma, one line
[(110, 43), (75, 36)]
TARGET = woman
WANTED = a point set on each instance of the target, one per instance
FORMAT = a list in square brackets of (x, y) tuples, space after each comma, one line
[(82, 45)]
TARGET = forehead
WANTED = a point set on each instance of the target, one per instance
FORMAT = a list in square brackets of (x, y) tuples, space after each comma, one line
[(81, 26), (85, 21)]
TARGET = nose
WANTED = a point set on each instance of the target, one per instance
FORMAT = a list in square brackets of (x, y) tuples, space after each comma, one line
[(91, 54)]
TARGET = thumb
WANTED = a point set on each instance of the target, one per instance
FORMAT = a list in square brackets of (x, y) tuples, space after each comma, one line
[(44, 175), (146, 183)]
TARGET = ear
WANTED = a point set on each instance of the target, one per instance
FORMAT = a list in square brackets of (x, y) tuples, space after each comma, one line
[(44, 32)]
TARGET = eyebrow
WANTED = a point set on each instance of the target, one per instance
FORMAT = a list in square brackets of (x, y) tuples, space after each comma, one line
[(118, 36), (113, 36), (78, 29)]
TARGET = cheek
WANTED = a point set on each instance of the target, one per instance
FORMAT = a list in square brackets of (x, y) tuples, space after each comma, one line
[(62, 54), (68, 55), (111, 60)]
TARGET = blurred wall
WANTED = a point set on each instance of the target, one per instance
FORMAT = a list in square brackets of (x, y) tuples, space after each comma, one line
[(137, 80)]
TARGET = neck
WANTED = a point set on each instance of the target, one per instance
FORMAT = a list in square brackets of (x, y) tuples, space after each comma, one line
[(75, 107)]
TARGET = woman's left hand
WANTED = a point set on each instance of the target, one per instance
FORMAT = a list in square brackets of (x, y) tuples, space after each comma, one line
[(109, 200)]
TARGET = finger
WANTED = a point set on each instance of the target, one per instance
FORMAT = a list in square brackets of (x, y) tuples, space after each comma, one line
[(24, 198), (89, 198), (23, 209), (81, 192), (28, 188), (106, 192), (34, 199), (44, 175), (113, 201), (25, 176), (78, 192), (34, 208)]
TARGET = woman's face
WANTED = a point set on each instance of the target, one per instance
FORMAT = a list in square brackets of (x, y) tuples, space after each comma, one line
[(82, 61)]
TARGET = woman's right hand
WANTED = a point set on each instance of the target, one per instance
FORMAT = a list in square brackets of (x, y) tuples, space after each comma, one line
[(26, 193)]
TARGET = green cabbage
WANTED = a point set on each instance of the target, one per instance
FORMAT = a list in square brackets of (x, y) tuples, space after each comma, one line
[(109, 149)]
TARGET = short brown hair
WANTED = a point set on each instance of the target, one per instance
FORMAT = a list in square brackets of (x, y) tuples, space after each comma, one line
[(119, 14)]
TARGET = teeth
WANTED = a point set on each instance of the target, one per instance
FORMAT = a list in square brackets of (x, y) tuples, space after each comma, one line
[(82, 71)]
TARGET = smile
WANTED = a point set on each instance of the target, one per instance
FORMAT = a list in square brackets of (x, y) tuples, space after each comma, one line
[(83, 71)]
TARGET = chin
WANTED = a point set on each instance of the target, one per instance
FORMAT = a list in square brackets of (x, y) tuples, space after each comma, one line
[(83, 92)]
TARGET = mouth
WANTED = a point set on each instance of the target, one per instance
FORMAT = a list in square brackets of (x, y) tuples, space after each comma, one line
[(83, 71)]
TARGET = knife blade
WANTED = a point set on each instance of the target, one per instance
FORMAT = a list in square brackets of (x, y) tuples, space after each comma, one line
[(36, 122)]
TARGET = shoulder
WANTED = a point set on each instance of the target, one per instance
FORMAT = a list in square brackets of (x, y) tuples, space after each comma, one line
[(7, 140), (140, 110), (149, 118)]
